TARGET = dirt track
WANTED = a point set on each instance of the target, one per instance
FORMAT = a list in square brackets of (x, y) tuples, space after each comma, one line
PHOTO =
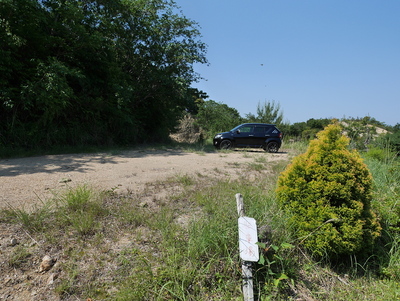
[(27, 181)]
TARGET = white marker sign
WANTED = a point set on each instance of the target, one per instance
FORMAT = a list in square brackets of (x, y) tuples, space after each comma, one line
[(248, 238)]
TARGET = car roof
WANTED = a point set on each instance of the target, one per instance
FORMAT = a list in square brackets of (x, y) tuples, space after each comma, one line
[(254, 123)]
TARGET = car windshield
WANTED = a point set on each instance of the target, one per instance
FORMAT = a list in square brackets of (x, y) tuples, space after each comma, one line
[(236, 128)]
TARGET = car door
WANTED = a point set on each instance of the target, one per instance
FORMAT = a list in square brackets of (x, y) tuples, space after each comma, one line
[(244, 135), (259, 135)]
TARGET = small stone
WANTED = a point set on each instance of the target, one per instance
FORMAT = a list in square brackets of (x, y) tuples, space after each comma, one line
[(46, 264), (13, 242)]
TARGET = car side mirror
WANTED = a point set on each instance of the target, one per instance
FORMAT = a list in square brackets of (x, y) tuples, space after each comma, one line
[(237, 131)]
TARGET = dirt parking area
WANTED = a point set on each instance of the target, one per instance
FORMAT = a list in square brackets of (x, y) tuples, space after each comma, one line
[(28, 181)]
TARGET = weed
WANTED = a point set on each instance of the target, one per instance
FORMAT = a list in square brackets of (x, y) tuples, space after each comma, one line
[(278, 167), (224, 152), (234, 164), (133, 215), (296, 147), (67, 285), (83, 224), (246, 154), (185, 180), (19, 256), (272, 261), (256, 166), (77, 199), (81, 208), (261, 159), (33, 220)]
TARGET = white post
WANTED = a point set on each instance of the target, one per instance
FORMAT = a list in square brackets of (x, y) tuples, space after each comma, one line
[(247, 275)]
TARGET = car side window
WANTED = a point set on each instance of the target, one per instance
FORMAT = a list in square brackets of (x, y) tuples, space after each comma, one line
[(246, 129), (271, 130), (260, 130), (275, 130)]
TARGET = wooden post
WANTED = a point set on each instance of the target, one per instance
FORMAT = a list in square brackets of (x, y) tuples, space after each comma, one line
[(240, 204), (247, 275)]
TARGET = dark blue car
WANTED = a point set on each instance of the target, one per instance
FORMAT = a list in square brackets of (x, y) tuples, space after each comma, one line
[(251, 135)]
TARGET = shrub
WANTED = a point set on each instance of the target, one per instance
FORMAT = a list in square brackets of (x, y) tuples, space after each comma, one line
[(187, 131), (327, 191)]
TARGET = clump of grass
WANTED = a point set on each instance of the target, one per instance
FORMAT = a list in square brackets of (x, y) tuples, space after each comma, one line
[(78, 208), (131, 213), (295, 148), (81, 208), (77, 199), (224, 152), (33, 220), (256, 166), (185, 180), (67, 285), (278, 167), (386, 175), (19, 256)]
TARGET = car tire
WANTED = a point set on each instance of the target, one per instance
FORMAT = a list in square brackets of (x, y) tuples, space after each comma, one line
[(226, 144), (272, 147)]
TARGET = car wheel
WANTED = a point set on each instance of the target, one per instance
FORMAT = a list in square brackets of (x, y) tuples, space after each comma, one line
[(272, 147), (225, 144)]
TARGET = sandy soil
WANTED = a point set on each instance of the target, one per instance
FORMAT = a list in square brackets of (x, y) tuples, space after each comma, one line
[(28, 181)]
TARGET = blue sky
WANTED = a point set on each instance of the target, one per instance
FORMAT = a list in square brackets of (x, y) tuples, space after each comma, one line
[(316, 58)]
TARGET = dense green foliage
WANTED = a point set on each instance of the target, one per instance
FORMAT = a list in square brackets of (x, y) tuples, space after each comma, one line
[(214, 117), (94, 72), (328, 192), (307, 130)]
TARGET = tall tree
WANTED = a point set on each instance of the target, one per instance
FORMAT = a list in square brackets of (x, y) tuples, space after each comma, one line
[(267, 112), (215, 117), (94, 71)]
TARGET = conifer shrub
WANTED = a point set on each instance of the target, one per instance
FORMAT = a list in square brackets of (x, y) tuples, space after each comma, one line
[(327, 192)]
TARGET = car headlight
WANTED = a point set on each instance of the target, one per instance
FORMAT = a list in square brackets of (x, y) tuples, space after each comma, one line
[(217, 136)]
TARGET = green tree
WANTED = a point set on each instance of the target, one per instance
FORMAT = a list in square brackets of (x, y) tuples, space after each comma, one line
[(327, 192), (307, 130), (296, 129), (269, 112), (94, 71), (214, 117)]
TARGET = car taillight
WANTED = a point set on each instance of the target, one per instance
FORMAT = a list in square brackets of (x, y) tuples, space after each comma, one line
[(280, 135)]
